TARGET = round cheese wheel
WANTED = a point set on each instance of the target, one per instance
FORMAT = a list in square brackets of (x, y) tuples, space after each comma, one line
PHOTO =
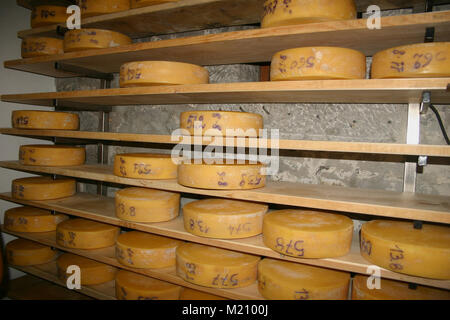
[(42, 188), (41, 46), (157, 73), (221, 176), (145, 3), (283, 13), (49, 120), (215, 268), (90, 8), (86, 234), (397, 246), (223, 219), (92, 272), (132, 286), (21, 252), (317, 63), (222, 123), (281, 280), (191, 294), (87, 39), (52, 156), (307, 233), (146, 205), (29, 219), (423, 60), (47, 15), (143, 250), (394, 290), (145, 166)]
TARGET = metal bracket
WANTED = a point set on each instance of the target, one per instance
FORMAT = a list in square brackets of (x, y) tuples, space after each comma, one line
[(426, 102), (422, 161), (412, 286), (418, 225), (83, 72)]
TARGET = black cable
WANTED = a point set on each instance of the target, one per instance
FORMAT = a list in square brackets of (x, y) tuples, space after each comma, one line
[(441, 124)]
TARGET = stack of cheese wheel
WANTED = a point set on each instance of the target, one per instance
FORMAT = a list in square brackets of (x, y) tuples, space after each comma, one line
[(132, 286), (145, 3), (143, 250), (90, 8), (21, 252), (86, 234), (51, 156), (398, 246), (157, 73), (423, 60), (222, 123), (215, 268), (281, 280), (146, 205), (87, 39), (29, 219), (42, 188), (92, 272), (48, 120), (308, 234), (191, 294), (41, 46), (282, 13), (394, 290), (46, 15), (223, 218), (317, 63), (145, 166)]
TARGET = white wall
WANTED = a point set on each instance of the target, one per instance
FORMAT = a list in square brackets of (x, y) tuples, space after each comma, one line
[(13, 19)]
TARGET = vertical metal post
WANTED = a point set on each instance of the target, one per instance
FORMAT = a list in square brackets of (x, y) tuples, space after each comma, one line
[(412, 137), (102, 149)]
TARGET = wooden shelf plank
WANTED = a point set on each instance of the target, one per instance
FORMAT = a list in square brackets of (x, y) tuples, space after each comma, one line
[(248, 46)]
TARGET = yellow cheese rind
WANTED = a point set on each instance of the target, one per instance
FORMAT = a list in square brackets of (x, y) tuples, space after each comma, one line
[(307, 233), (399, 247), (282, 280), (145, 166), (222, 176), (42, 188), (92, 272), (86, 234), (395, 290), (51, 155), (145, 3), (21, 252), (29, 219), (283, 13), (223, 218), (47, 15), (132, 286), (423, 60), (87, 39), (41, 46), (147, 205), (143, 250), (91, 8), (156, 73), (51, 120), (191, 294), (215, 268), (317, 63)]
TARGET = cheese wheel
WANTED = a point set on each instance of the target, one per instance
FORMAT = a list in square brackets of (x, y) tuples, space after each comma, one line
[(29, 219), (41, 46), (307, 233), (52, 156), (222, 123), (145, 166), (317, 63), (90, 8), (146, 205), (87, 39), (215, 268), (92, 272), (397, 246), (42, 188), (394, 290), (223, 219), (132, 286), (145, 3), (143, 250), (283, 13), (282, 280), (86, 234), (191, 294), (157, 73), (47, 15), (21, 252), (222, 176), (423, 60), (49, 120)]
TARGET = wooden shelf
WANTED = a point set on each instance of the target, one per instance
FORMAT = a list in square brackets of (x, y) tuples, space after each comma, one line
[(248, 46)]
